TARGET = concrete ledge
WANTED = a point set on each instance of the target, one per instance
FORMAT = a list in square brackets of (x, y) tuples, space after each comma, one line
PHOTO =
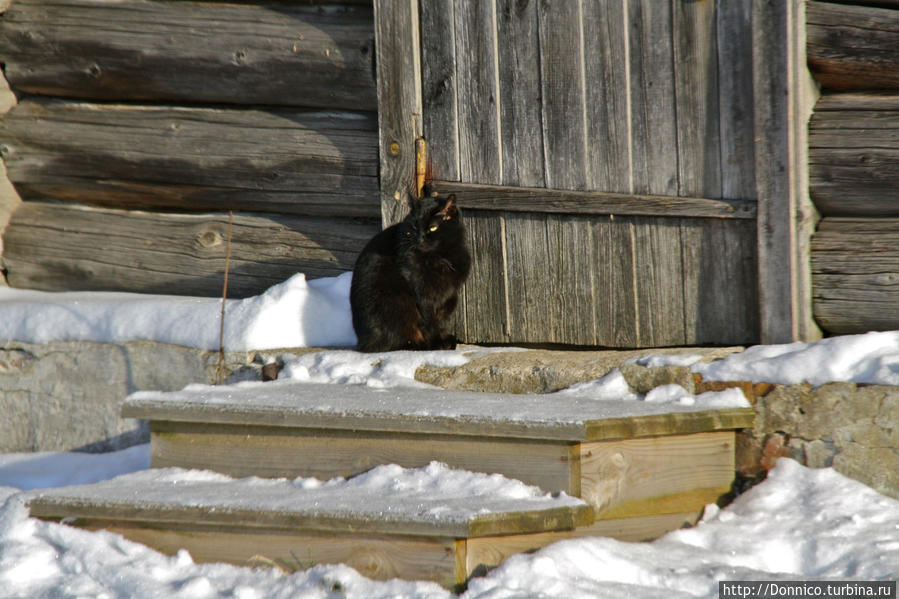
[(66, 395)]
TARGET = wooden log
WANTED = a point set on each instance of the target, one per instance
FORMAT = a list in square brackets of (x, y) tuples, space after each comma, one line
[(854, 155), (853, 47), (58, 247), (252, 53), (855, 274), (188, 159)]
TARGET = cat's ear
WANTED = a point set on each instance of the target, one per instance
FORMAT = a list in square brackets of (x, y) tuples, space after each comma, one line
[(413, 203), (428, 191), (449, 209)]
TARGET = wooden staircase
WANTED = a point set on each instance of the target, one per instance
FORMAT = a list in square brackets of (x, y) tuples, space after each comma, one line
[(638, 469)]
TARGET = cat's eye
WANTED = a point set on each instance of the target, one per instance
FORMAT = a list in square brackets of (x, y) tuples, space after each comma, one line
[(433, 228)]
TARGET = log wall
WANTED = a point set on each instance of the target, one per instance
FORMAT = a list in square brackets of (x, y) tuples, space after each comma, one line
[(141, 123), (853, 51)]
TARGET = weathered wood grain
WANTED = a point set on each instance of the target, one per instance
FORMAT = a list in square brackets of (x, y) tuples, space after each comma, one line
[(615, 283), (855, 274), (658, 262), (564, 108), (189, 159), (622, 478), (397, 46), (245, 53), (721, 271), (484, 308), (379, 557), (854, 158), (696, 92), (734, 29), (785, 218), (652, 90), (630, 281), (58, 247), (439, 89), (550, 278), (853, 47), (277, 452), (478, 93), (540, 200), (857, 101), (606, 95), (639, 529), (521, 99)]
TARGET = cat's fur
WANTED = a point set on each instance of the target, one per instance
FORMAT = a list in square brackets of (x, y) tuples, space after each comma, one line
[(407, 278)]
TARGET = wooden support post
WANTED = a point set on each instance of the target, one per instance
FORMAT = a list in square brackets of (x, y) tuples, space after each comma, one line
[(399, 101), (784, 95)]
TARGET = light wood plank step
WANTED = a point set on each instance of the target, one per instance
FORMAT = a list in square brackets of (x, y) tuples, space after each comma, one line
[(432, 531), (630, 460)]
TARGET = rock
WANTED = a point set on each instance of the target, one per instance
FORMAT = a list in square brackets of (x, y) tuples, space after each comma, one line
[(545, 371)]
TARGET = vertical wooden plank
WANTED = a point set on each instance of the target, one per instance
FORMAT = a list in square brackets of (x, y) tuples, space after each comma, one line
[(720, 293), (476, 81), (785, 216), (653, 118), (562, 74), (530, 278), (660, 294), (606, 83), (399, 100), (573, 264), (481, 318), (696, 92), (438, 80), (520, 93), (735, 97), (615, 308), (551, 278)]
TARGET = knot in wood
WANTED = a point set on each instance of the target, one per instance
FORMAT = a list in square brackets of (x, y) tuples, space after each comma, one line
[(209, 239)]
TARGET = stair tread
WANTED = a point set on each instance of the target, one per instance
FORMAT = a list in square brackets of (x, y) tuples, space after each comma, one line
[(391, 504), (355, 407)]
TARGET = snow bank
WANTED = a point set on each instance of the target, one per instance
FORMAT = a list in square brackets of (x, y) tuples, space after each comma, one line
[(53, 469), (798, 524), (295, 313), (871, 358)]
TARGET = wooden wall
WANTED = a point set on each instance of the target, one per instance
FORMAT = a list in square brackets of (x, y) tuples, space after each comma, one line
[(645, 108), (853, 51), (141, 123)]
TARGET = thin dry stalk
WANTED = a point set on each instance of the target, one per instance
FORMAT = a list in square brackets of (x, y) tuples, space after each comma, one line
[(224, 297)]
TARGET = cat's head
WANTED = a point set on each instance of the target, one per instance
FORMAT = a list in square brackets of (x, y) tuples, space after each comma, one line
[(434, 219)]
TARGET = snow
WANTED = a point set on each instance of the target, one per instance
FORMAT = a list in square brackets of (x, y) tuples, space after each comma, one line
[(553, 416), (798, 524), (386, 496), (871, 358), (295, 313)]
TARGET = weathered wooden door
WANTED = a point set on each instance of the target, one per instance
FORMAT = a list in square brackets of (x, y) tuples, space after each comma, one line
[(603, 154)]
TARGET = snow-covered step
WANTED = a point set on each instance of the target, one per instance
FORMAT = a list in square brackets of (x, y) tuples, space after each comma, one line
[(430, 523), (646, 467)]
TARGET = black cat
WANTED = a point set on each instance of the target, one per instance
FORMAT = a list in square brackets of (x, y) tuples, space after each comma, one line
[(407, 278)]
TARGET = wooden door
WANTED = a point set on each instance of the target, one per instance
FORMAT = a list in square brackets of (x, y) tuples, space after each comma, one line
[(603, 154)]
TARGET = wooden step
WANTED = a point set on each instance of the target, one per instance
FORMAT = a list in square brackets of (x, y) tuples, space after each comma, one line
[(445, 536), (644, 467)]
